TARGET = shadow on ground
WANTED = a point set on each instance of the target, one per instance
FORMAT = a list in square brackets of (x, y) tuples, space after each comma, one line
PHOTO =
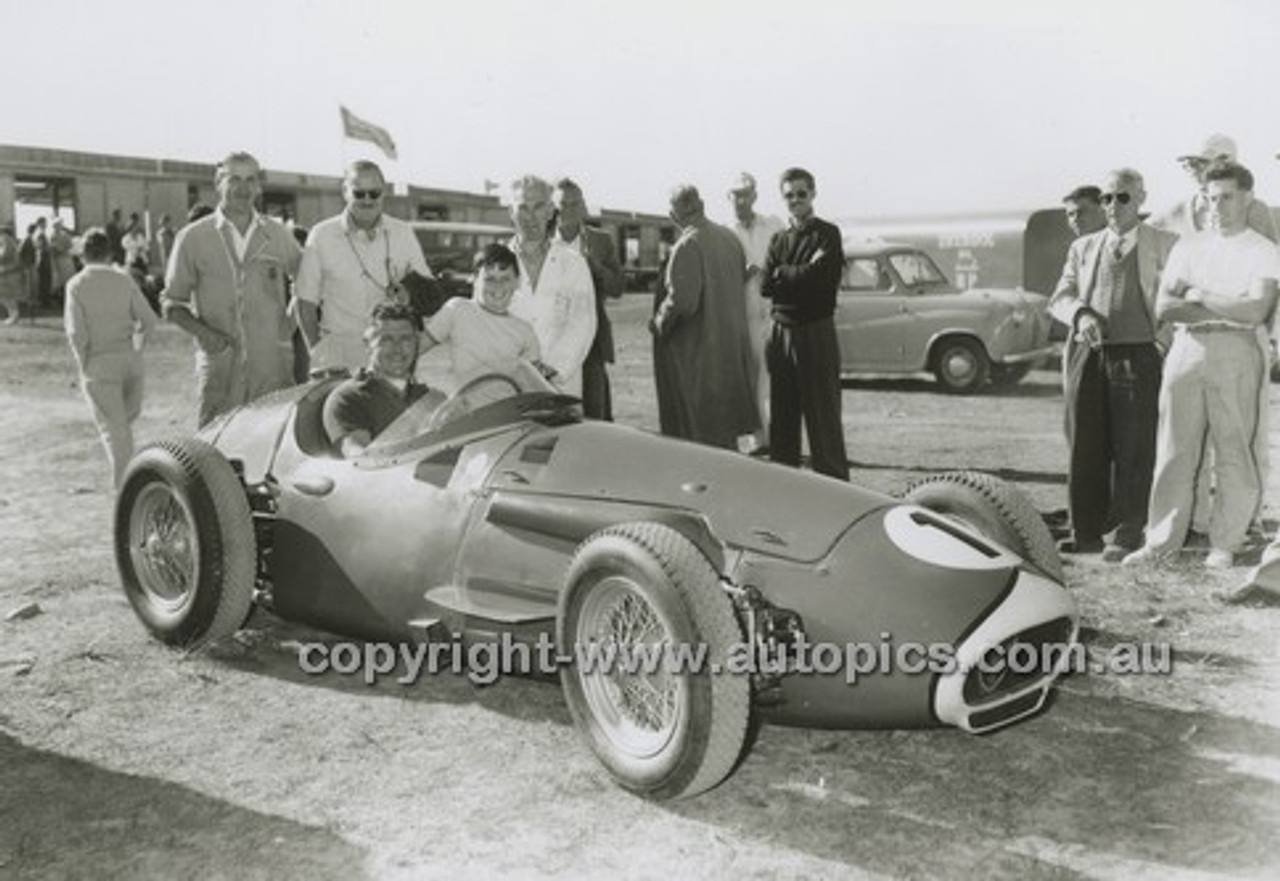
[(88, 822), (1097, 784), (1094, 785)]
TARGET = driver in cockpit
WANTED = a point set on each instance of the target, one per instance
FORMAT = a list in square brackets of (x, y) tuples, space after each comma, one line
[(361, 407)]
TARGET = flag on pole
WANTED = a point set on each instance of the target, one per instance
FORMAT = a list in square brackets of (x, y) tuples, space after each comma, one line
[(362, 130)]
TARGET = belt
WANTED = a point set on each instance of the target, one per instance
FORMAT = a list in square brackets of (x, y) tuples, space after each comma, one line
[(1216, 328)]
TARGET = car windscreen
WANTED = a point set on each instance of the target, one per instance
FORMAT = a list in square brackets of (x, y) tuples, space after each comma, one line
[(864, 274), (487, 397), (916, 269)]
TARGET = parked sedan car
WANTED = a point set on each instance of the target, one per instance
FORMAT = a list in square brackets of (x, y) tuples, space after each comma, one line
[(898, 313), (497, 514)]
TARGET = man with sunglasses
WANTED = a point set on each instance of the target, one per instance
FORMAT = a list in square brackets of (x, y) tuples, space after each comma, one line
[(802, 272), (352, 262), (1218, 288), (1107, 297)]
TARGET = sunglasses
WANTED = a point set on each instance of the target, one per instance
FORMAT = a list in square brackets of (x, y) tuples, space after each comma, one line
[(1122, 198), (794, 195), (367, 194)]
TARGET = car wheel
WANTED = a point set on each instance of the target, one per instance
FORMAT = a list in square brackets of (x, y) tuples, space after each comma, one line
[(993, 507), (184, 542), (643, 591), (961, 365), (1006, 375)]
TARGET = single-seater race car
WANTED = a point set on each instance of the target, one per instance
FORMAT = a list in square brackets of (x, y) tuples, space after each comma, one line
[(496, 513)]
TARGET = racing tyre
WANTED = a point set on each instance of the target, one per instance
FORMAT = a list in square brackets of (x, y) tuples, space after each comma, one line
[(993, 507), (961, 365), (1008, 375), (184, 543), (645, 592)]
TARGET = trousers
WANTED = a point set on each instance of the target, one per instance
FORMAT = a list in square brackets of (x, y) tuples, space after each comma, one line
[(112, 384), (804, 383), (1112, 400), (1209, 391)]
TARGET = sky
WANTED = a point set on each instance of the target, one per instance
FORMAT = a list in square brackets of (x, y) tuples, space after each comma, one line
[(898, 108)]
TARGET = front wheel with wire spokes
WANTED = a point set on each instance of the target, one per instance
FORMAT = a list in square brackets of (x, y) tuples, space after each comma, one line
[(184, 542), (649, 628)]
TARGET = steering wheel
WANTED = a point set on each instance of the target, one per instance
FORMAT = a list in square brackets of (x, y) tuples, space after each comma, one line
[(457, 404)]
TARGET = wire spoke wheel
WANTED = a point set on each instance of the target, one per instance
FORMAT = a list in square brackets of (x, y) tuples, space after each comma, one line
[(646, 619), (635, 699), (163, 544)]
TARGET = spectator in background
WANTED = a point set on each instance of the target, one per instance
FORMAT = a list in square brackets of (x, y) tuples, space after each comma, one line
[(702, 324), (802, 274), (13, 279), (135, 245), (226, 286), (107, 320), (27, 259), (606, 277), (43, 270), (1193, 215), (352, 262), (556, 294), (1218, 286), (1084, 210), (754, 232), (115, 232), (164, 241), (1107, 299), (64, 263)]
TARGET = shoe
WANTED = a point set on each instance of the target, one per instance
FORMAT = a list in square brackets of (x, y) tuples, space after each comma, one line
[(1143, 556), (1240, 595), (1115, 553), (1219, 559), (1080, 545), (1196, 540)]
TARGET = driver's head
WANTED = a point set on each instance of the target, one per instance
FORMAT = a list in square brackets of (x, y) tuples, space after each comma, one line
[(498, 273), (392, 338)]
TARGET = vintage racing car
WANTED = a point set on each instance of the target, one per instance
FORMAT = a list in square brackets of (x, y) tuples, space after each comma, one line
[(498, 513)]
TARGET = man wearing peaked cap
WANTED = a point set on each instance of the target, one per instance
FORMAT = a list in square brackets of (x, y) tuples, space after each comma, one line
[(1193, 214)]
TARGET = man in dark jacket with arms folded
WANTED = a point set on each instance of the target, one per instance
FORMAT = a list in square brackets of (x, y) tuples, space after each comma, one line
[(801, 277)]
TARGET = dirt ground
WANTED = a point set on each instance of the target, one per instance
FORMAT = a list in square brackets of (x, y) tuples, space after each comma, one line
[(120, 758)]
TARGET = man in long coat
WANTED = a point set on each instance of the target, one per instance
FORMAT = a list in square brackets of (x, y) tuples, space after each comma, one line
[(701, 327)]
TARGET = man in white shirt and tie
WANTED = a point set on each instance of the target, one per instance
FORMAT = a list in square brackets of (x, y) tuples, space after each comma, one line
[(1106, 296)]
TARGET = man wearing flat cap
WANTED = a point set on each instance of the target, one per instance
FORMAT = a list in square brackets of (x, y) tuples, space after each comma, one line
[(1193, 214)]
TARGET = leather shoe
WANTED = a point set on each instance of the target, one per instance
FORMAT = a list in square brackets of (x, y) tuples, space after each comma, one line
[(1115, 553), (1080, 545), (1242, 594)]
